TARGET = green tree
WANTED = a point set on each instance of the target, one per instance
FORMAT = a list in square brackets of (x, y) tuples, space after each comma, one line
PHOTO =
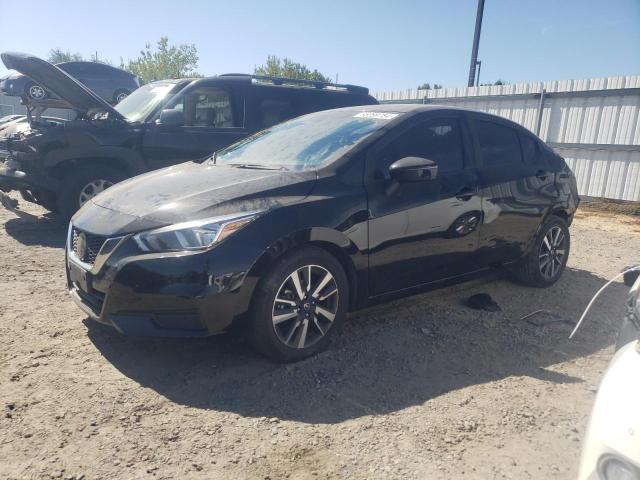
[(56, 55), (285, 67), (497, 82), (167, 61), (427, 86)]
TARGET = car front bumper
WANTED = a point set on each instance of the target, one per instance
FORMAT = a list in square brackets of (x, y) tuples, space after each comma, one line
[(168, 295)]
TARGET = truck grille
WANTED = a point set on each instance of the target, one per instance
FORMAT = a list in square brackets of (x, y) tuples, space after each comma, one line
[(86, 246)]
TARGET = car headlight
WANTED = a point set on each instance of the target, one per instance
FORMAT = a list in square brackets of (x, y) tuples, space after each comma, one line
[(195, 235), (614, 468)]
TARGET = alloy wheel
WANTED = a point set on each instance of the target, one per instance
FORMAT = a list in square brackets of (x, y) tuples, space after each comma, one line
[(305, 306), (36, 92), (92, 189), (552, 252)]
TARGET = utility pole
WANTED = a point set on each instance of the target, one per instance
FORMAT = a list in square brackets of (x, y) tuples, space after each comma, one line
[(476, 43)]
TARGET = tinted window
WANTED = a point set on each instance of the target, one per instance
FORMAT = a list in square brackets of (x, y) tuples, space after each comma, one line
[(498, 144), (272, 112), (530, 150), (438, 140), (205, 107)]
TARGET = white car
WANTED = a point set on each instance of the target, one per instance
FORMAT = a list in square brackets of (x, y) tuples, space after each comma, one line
[(612, 446)]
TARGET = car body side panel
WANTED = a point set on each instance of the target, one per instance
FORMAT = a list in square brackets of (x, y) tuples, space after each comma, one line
[(414, 227), (515, 201)]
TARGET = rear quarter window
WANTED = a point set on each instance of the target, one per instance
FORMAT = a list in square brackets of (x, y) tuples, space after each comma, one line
[(499, 144), (530, 150)]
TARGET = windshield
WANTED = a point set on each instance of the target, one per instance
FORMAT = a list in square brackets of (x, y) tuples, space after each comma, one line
[(137, 106), (305, 143)]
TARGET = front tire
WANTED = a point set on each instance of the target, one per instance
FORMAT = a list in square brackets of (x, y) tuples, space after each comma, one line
[(546, 261), (82, 185), (47, 200), (299, 305)]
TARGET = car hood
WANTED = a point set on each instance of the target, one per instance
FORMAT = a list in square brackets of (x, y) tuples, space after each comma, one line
[(58, 82), (190, 191)]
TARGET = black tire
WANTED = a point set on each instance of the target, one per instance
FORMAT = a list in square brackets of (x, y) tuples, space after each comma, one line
[(120, 95), (30, 89), (532, 270), (48, 200), (268, 337), (74, 184)]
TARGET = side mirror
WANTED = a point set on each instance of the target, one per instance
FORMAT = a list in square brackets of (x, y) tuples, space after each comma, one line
[(171, 118), (413, 169)]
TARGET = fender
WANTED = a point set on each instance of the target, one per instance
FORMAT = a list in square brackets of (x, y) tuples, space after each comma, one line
[(354, 261)]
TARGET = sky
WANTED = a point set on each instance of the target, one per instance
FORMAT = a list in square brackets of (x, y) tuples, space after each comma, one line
[(384, 45)]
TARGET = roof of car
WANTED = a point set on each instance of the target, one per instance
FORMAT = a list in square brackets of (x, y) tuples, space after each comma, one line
[(284, 82), (417, 108), (410, 109)]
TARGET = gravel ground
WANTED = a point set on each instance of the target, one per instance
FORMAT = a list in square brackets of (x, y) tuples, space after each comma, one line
[(419, 388)]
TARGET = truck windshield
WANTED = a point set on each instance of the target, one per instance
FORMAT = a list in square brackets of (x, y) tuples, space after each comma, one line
[(137, 106)]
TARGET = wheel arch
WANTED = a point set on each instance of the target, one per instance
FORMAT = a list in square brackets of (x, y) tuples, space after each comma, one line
[(124, 160), (332, 241)]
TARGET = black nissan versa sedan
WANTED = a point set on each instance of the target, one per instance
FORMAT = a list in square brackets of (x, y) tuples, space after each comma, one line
[(287, 230)]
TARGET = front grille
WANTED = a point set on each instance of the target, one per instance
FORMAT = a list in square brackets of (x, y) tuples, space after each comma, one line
[(86, 246)]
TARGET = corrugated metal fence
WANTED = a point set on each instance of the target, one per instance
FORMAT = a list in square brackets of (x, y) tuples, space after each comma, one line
[(594, 123)]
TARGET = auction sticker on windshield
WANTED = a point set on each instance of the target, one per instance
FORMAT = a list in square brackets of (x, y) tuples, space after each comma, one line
[(377, 115)]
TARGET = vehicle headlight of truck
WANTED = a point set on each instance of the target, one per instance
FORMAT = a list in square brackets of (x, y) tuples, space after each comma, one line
[(195, 235)]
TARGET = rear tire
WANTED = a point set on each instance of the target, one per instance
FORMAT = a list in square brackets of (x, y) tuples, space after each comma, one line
[(546, 261), (290, 322), (83, 184)]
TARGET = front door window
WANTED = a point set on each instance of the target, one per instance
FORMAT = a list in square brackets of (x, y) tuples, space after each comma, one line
[(208, 107)]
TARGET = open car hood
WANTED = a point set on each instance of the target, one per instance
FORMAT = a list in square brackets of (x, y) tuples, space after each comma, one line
[(59, 83)]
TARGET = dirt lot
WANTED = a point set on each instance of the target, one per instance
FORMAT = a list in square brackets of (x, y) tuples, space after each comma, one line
[(421, 388)]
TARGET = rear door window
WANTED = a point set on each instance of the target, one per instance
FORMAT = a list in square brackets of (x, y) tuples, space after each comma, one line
[(499, 145)]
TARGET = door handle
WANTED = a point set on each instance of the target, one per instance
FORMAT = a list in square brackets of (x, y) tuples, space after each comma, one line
[(465, 194), (542, 175)]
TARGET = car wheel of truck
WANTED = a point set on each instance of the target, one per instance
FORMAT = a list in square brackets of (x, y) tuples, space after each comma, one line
[(546, 261), (299, 305), (35, 91), (48, 200), (80, 186)]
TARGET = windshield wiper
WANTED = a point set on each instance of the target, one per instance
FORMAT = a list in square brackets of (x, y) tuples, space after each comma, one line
[(255, 166)]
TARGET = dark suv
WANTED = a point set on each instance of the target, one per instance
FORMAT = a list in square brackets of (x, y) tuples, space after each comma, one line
[(111, 83), (62, 165)]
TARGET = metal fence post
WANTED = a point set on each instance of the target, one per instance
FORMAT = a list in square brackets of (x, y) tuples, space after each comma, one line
[(540, 110)]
